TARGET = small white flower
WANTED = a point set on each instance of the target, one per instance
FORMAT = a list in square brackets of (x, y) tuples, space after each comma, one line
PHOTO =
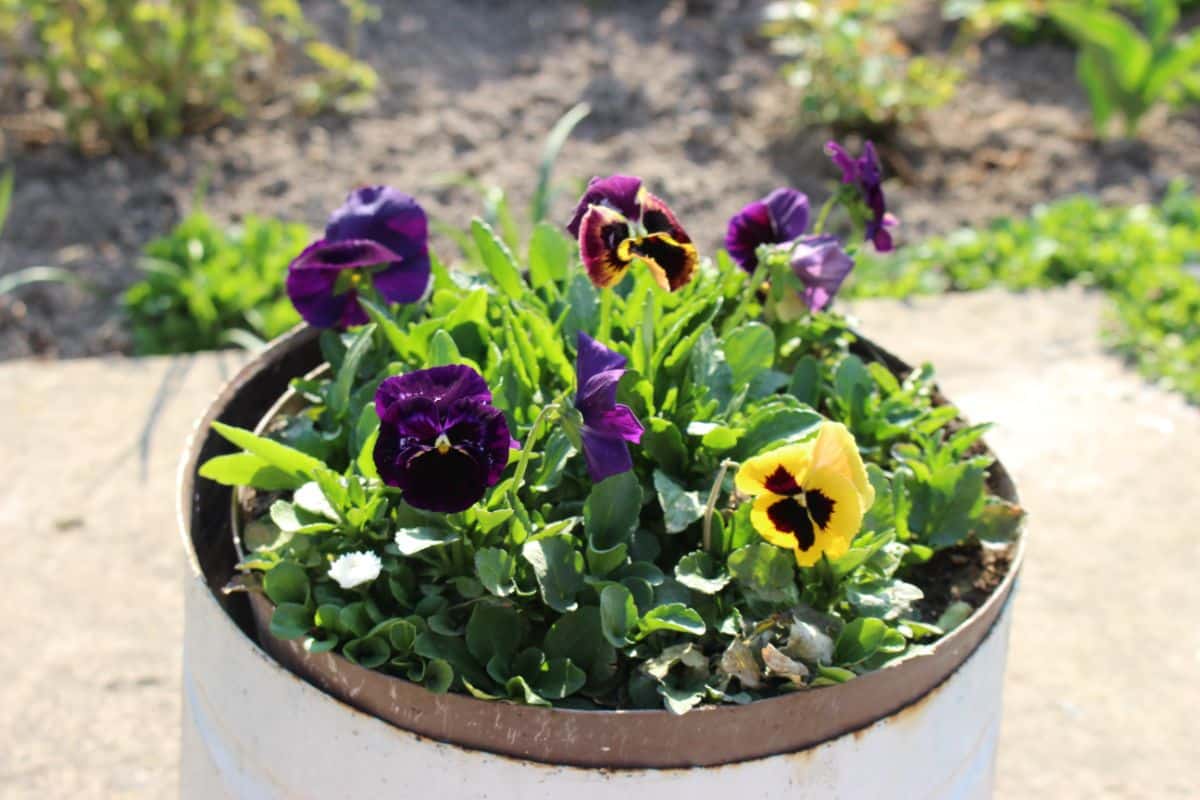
[(354, 569)]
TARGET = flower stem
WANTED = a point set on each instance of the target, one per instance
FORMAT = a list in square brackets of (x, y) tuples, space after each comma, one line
[(518, 480), (819, 225), (711, 505), (748, 297)]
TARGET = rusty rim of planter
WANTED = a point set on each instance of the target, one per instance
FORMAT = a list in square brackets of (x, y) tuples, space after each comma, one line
[(706, 736)]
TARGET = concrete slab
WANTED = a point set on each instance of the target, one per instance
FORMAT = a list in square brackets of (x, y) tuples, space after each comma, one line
[(1102, 690)]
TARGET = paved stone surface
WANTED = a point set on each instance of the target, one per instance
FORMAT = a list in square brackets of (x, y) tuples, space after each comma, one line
[(1102, 691)]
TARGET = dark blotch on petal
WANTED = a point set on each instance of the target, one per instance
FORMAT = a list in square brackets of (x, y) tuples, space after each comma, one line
[(445, 482), (788, 516), (781, 482), (820, 507), (672, 263), (658, 218)]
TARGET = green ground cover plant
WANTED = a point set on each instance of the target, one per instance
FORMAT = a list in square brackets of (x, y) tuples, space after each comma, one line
[(120, 71), (1145, 258), (851, 68), (208, 287)]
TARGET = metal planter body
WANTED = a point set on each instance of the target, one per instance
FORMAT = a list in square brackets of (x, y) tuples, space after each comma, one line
[(925, 728)]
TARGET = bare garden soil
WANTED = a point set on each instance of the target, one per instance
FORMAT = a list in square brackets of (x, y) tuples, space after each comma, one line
[(685, 94)]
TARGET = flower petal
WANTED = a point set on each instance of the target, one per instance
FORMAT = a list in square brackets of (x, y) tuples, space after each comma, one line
[(747, 229), (442, 385), (313, 275), (619, 192), (836, 451), (836, 513), (789, 213), (606, 456), (780, 471), (601, 235), (594, 358), (658, 218), (619, 422), (599, 394), (821, 265), (482, 431), (842, 159), (672, 263)]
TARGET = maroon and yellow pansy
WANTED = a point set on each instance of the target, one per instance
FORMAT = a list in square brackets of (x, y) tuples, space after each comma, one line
[(809, 497), (618, 222)]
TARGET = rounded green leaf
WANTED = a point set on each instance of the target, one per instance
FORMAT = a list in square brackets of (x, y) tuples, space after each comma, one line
[(859, 640)]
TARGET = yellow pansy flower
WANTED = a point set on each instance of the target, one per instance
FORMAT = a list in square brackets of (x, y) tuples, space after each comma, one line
[(809, 497)]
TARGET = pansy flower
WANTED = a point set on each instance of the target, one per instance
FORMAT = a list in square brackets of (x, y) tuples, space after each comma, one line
[(607, 424), (779, 217), (820, 264), (809, 497), (865, 172), (440, 438), (377, 238), (617, 222)]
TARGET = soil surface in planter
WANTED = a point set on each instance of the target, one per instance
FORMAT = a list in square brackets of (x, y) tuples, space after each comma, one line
[(684, 93)]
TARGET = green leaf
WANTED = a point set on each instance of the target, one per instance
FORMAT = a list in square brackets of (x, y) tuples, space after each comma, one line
[(954, 615), (558, 568), (999, 522), (366, 456), (774, 426), (290, 621), (700, 573), (859, 640), (339, 396), (287, 519), (247, 469), (618, 614), (886, 600), (765, 570), (6, 188), (402, 344), (554, 143), (286, 582), (579, 636), (749, 350), (411, 541), (498, 259), (369, 652), (672, 617), (550, 254), (277, 455), (522, 692), (663, 442), (312, 499), (442, 350), (612, 510), (438, 675), (493, 630), (558, 678), (680, 507)]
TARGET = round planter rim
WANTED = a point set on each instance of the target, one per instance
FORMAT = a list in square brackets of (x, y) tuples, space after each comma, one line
[(621, 739)]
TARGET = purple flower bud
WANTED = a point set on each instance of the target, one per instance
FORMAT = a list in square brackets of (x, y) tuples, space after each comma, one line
[(866, 173)]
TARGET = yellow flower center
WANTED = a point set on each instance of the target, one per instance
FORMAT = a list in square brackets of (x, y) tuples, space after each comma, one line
[(442, 444)]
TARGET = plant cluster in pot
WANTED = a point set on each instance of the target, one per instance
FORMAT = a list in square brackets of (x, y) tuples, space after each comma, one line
[(616, 518)]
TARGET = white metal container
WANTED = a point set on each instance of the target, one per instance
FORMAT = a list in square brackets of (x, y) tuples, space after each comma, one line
[(925, 728)]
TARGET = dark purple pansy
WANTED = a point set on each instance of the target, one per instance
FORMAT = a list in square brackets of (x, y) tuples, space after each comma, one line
[(607, 424), (440, 438), (866, 173), (779, 217), (379, 236), (821, 265), (617, 221)]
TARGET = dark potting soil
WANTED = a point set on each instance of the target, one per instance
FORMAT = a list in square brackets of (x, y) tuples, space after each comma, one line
[(683, 93), (967, 572)]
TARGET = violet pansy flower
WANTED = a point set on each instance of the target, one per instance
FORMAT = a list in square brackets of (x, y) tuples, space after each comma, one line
[(617, 222), (607, 424), (866, 173), (779, 217), (440, 438), (378, 238), (820, 263)]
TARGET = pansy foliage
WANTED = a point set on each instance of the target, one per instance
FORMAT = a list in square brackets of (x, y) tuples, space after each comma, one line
[(736, 502)]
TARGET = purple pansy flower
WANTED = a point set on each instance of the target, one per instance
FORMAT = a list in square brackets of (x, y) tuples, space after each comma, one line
[(617, 221), (379, 236), (779, 217), (607, 424), (821, 265), (440, 438), (865, 172)]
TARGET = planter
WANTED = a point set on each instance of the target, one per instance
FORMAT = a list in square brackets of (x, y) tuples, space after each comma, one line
[(279, 722)]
